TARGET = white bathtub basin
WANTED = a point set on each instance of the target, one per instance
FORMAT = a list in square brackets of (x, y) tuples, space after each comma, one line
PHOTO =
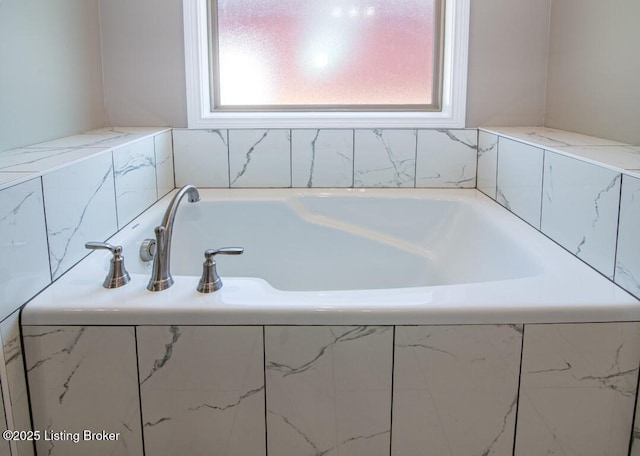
[(382, 256)]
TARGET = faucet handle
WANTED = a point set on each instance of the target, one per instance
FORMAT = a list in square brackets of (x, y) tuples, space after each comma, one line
[(210, 253), (210, 280), (118, 275)]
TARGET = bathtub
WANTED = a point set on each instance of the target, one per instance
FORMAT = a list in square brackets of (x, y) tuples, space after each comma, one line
[(347, 257)]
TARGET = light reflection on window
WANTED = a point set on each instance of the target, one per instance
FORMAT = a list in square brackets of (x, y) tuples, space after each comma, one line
[(335, 52)]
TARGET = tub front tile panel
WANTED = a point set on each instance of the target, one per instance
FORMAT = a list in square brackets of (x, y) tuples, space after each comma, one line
[(627, 272), (447, 158), (84, 378), (260, 158), (201, 157), (385, 158), (16, 381), (635, 436), (202, 389), (519, 182), (322, 158), (5, 448), (135, 179), (24, 268), (455, 389), (163, 147), (487, 163), (578, 389), (80, 206), (580, 209), (328, 390)]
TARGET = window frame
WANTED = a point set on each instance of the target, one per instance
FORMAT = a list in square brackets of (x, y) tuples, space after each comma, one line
[(453, 85)]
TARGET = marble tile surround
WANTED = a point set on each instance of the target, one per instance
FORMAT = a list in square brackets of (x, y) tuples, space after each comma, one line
[(627, 267), (84, 378), (326, 158), (80, 207), (328, 390), (519, 181), (582, 175), (16, 381), (578, 389), (487, 163), (580, 209), (202, 388), (447, 158), (455, 389), (135, 179)]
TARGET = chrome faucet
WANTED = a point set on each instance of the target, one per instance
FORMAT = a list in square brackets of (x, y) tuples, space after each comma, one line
[(161, 275)]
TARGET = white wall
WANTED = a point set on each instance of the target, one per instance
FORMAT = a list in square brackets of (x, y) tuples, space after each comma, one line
[(143, 55), (144, 62), (507, 62), (593, 68), (50, 70)]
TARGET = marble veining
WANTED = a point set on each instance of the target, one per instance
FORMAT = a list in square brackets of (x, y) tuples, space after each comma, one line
[(550, 137), (80, 207), (627, 266), (201, 157), (163, 151), (385, 158), (487, 163), (166, 356), (447, 158), (328, 390), (202, 388), (519, 179), (322, 158), (580, 209), (578, 388), (260, 158), (84, 378), (24, 244), (135, 179), (15, 378), (445, 377)]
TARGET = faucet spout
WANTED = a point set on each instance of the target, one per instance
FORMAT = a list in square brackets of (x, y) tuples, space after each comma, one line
[(161, 273)]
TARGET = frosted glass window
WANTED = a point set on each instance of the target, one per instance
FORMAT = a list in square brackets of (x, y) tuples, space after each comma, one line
[(297, 54)]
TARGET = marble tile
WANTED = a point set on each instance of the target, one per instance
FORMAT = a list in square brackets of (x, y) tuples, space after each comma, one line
[(580, 209), (260, 158), (84, 378), (455, 389), (550, 137), (201, 157), (5, 448), (202, 388), (447, 158), (385, 158), (135, 179), (322, 158), (16, 381), (487, 163), (163, 147), (41, 160), (627, 270), (23, 239), (328, 390), (80, 206), (519, 181), (616, 157), (635, 439), (578, 389), (8, 179), (107, 137)]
